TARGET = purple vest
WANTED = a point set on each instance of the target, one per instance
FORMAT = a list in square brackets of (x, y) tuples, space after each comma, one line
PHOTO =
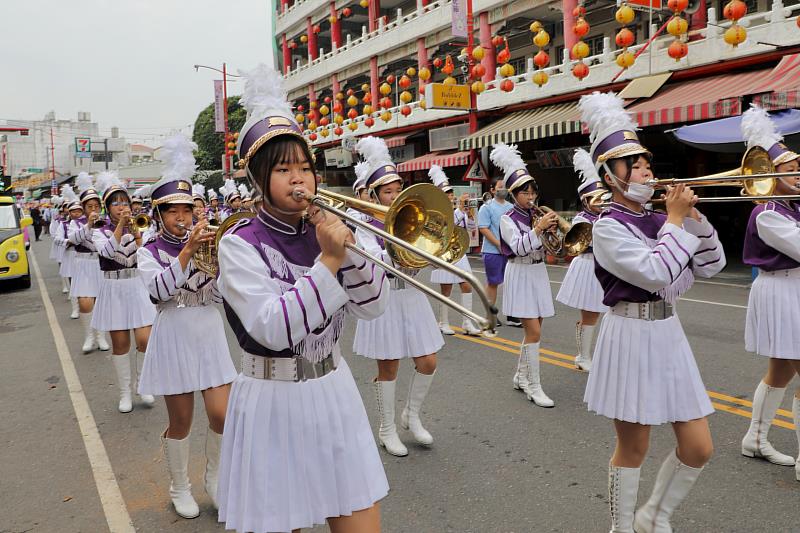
[(756, 252), (521, 217), (199, 286), (109, 265), (614, 288), (288, 252), (80, 248)]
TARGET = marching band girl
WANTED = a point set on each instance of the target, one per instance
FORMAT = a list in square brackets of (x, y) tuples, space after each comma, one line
[(123, 303), (188, 350), (59, 217), (408, 321), (233, 200), (526, 287), (72, 206), (86, 275), (443, 277), (198, 195), (643, 371), (580, 288), (772, 243), (297, 449), (212, 212), (246, 202)]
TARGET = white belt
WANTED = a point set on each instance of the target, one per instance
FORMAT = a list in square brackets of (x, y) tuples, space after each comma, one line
[(125, 273), (659, 310), (86, 255), (790, 273), (526, 260), (285, 368)]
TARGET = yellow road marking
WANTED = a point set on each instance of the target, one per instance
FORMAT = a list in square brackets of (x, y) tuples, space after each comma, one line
[(510, 346)]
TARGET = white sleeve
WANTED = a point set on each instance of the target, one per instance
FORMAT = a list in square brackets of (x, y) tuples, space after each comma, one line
[(521, 243), (366, 286), (369, 243), (78, 233), (162, 283), (275, 319), (779, 232), (579, 218), (108, 247), (627, 257), (709, 259)]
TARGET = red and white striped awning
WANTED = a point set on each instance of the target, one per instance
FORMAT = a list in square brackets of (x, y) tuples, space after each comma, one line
[(443, 159), (783, 84), (703, 99), (397, 140)]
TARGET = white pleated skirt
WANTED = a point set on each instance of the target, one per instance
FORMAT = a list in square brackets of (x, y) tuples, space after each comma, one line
[(86, 277), (580, 288), (771, 327), (407, 328), (67, 262), (187, 352), (441, 276), (644, 372), (294, 454), (123, 304), (54, 251), (526, 291)]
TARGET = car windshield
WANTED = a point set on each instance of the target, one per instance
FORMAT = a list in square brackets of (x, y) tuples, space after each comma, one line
[(7, 218)]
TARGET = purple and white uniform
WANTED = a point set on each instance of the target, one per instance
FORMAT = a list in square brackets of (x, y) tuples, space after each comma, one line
[(86, 276), (441, 276), (643, 371), (580, 288), (187, 350), (772, 244), (408, 328), (123, 302), (294, 453), (56, 246), (526, 286)]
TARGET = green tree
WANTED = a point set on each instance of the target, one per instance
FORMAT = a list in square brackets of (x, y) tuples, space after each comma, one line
[(210, 144)]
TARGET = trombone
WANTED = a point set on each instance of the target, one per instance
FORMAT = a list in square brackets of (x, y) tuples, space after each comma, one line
[(418, 232)]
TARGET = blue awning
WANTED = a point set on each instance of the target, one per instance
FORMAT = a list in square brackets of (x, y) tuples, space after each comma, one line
[(724, 135)]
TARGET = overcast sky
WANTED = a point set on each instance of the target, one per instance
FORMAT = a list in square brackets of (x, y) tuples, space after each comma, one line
[(128, 62)]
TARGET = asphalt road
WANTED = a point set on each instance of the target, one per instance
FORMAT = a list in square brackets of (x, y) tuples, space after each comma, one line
[(498, 464)]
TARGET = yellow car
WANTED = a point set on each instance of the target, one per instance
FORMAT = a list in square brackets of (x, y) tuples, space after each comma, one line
[(13, 259)]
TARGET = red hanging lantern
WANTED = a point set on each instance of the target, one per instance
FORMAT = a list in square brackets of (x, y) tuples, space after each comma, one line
[(580, 70), (346, 12), (448, 65), (312, 137), (437, 62), (390, 79), (581, 28), (497, 41), (541, 59), (324, 121), (676, 6), (316, 29), (386, 102), (677, 50), (507, 86), (301, 108), (405, 82), (338, 107), (352, 113), (350, 92), (369, 122), (625, 38), (579, 11), (503, 56), (338, 130), (327, 99), (405, 110), (478, 71), (734, 10)]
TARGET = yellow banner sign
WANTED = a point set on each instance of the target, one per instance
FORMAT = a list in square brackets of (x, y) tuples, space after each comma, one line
[(448, 96)]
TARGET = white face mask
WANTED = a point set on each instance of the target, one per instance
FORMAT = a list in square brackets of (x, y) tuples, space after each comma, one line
[(639, 193), (790, 182)]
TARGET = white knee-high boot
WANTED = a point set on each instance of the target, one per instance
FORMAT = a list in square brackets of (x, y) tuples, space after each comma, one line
[(64, 285), (387, 432), (147, 399), (89, 338), (623, 489), (470, 327), (584, 336), (102, 343), (444, 320), (122, 365), (409, 418), (796, 416), (673, 483), (213, 445), (520, 379), (180, 490), (76, 310), (534, 390), (766, 401)]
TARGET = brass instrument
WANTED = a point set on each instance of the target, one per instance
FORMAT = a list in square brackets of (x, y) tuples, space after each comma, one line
[(458, 246), (139, 223), (101, 220), (552, 238), (578, 238), (418, 231), (214, 219), (205, 258)]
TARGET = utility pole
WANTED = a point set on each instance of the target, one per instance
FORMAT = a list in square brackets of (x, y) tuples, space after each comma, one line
[(227, 172), (105, 151), (52, 156)]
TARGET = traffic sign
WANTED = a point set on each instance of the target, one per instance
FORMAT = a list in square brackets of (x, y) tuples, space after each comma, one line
[(83, 146), (449, 96), (476, 171)]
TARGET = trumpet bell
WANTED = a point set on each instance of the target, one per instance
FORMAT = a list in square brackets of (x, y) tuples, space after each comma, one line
[(140, 222), (578, 238)]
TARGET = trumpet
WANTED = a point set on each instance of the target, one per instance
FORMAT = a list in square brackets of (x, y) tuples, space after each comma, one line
[(418, 232), (139, 223)]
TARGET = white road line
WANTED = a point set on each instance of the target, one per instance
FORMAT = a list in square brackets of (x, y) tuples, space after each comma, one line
[(712, 303), (114, 508)]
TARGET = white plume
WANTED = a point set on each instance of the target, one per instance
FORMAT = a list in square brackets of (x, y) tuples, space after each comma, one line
[(438, 177), (142, 192), (199, 189), (68, 194), (177, 154), (228, 187), (105, 180), (212, 194), (507, 158), (362, 173), (244, 192), (56, 200), (374, 151), (603, 113), (584, 166), (263, 92), (758, 128), (83, 181)]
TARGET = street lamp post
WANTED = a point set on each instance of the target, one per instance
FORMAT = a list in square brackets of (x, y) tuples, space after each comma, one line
[(225, 139)]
